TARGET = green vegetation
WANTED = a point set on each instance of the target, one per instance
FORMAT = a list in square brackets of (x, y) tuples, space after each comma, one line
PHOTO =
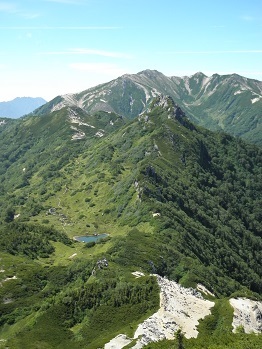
[(67, 307), (29, 240), (220, 102), (175, 199)]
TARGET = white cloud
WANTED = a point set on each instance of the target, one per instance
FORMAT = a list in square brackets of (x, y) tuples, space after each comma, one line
[(12, 8), (99, 68)]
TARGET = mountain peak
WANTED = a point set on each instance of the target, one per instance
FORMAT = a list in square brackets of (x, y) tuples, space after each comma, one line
[(174, 111), (149, 72), (165, 102), (20, 106), (201, 97), (199, 74)]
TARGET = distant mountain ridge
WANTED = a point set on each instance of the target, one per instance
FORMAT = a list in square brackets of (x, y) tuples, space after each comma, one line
[(231, 103), (20, 106)]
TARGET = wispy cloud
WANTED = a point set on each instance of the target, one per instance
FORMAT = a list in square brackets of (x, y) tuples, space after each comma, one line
[(99, 68), (248, 18), (85, 51), (212, 52), (7, 7), (58, 28), (13, 9)]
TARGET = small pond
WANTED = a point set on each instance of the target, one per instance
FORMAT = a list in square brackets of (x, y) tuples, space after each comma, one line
[(90, 238)]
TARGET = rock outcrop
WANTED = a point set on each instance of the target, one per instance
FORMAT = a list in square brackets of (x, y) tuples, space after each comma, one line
[(180, 308), (247, 314)]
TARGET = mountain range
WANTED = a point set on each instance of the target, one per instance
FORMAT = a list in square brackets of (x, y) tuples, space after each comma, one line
[(230, 103), (20, 106), (176, 204)]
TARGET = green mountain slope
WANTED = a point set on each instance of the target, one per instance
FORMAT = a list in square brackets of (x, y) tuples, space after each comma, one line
[(175, 199), (231, 103)]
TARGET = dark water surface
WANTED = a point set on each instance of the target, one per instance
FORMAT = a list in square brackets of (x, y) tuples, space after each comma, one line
[(90, 238)]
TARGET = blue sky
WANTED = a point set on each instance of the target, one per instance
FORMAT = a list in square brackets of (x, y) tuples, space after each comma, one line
[(53, 47)]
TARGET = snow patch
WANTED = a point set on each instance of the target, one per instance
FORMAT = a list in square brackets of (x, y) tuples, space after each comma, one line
[(238, 92), (131, 101), (205, 84), (72, 256), (78, 135), (206, 80), (100, 134), (145, 90), (138, 274), (254, 100), (187, 86), (92, 96)]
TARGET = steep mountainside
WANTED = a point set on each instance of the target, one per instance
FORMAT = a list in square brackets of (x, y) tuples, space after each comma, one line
[(175, 199), (221, 102), (20, 106)]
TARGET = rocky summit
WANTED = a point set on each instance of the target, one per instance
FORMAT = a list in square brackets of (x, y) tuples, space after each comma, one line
[(229, 103)]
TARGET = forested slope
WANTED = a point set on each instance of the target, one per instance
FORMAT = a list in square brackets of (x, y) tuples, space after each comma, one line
[(175, 199)]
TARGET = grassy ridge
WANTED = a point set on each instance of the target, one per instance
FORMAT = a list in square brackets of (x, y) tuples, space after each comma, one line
[(177, 200)]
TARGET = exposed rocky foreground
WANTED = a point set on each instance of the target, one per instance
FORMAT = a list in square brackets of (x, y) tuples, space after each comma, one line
[(181, 308)]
